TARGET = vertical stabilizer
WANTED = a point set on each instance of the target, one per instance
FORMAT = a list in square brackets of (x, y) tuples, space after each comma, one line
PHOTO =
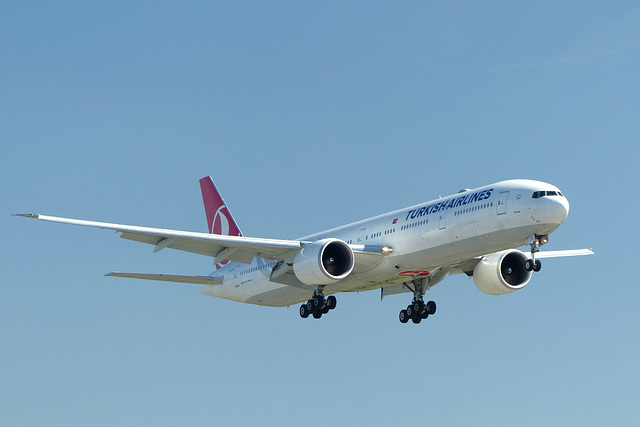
[(219, 218)]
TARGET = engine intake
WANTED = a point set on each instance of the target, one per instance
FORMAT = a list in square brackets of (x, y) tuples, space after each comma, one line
[(502, 272), (323, 262)]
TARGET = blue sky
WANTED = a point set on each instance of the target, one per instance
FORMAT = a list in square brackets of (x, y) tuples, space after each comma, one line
[(309, 116)]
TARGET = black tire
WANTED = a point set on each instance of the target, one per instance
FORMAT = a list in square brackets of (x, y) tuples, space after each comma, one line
[(317, 301), (317, 314), (332, 302), (410, 310), (537, 266), (325, 309), (418, 306), (528, 265), (404, 317), (416, 318), (304, 311), (310, 305), (424, 314), (431, 307)]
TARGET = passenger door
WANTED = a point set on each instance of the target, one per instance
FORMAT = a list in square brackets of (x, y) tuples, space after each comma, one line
[(502, 203)]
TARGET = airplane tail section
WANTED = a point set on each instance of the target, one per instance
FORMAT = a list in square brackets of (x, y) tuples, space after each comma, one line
[(219, 217)]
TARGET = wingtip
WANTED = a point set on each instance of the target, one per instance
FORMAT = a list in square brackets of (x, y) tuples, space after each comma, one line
[(36, 216)]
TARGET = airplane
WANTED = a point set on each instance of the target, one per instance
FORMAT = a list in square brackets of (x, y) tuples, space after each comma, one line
[(473, 232)]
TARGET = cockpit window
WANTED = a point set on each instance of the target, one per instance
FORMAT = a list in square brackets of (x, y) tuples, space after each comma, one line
[(538, 194)]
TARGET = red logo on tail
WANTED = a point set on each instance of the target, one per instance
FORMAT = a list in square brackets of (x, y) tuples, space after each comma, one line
[(222, 222), (219, 218)]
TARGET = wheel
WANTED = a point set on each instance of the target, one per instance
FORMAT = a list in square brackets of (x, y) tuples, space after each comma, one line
[(416, 318), (304, 311), (528, 265), (537, 266), (310, 305), (317, 301), (424, 314), (317, 314), (431, 307), (325, 309), (410, 310), (332, 302), (404, 317), (418, 306)]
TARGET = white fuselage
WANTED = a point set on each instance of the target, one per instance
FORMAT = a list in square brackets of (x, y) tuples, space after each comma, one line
[(423, 239)]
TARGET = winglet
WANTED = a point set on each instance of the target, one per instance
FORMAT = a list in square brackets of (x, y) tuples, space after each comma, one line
[(36, 216)]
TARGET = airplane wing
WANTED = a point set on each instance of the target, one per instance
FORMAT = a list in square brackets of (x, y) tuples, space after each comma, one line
[(468, 265), (558, 254), (234, 248), (198, 280)]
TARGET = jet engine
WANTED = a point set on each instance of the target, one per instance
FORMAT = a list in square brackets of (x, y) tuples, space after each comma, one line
[(502, 272), (323, 262)]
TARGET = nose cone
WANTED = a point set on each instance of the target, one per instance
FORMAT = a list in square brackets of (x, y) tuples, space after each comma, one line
[(559, 207)]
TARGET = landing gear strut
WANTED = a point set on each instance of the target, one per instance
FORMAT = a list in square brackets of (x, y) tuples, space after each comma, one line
[(535, 242), (318, 304), (418, 309)]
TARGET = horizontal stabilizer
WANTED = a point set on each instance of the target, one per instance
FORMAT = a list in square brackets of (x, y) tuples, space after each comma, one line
[(198, 280)]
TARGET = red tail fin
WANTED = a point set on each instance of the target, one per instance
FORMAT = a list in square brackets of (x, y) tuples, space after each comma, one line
[(219, 218)]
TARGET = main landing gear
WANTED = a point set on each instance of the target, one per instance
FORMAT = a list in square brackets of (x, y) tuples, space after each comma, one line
[(318, 305), (418, 309)]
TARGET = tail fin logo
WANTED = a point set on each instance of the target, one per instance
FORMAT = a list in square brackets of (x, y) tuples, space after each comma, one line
[(221, 222), (222, 264), (219, 218)]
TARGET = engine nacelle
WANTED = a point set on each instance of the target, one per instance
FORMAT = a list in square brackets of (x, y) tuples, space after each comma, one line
[(323, 262), (502, 272)]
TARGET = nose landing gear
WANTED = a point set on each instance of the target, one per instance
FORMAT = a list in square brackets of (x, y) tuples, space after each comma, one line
[(535, 242), (533, 265)]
